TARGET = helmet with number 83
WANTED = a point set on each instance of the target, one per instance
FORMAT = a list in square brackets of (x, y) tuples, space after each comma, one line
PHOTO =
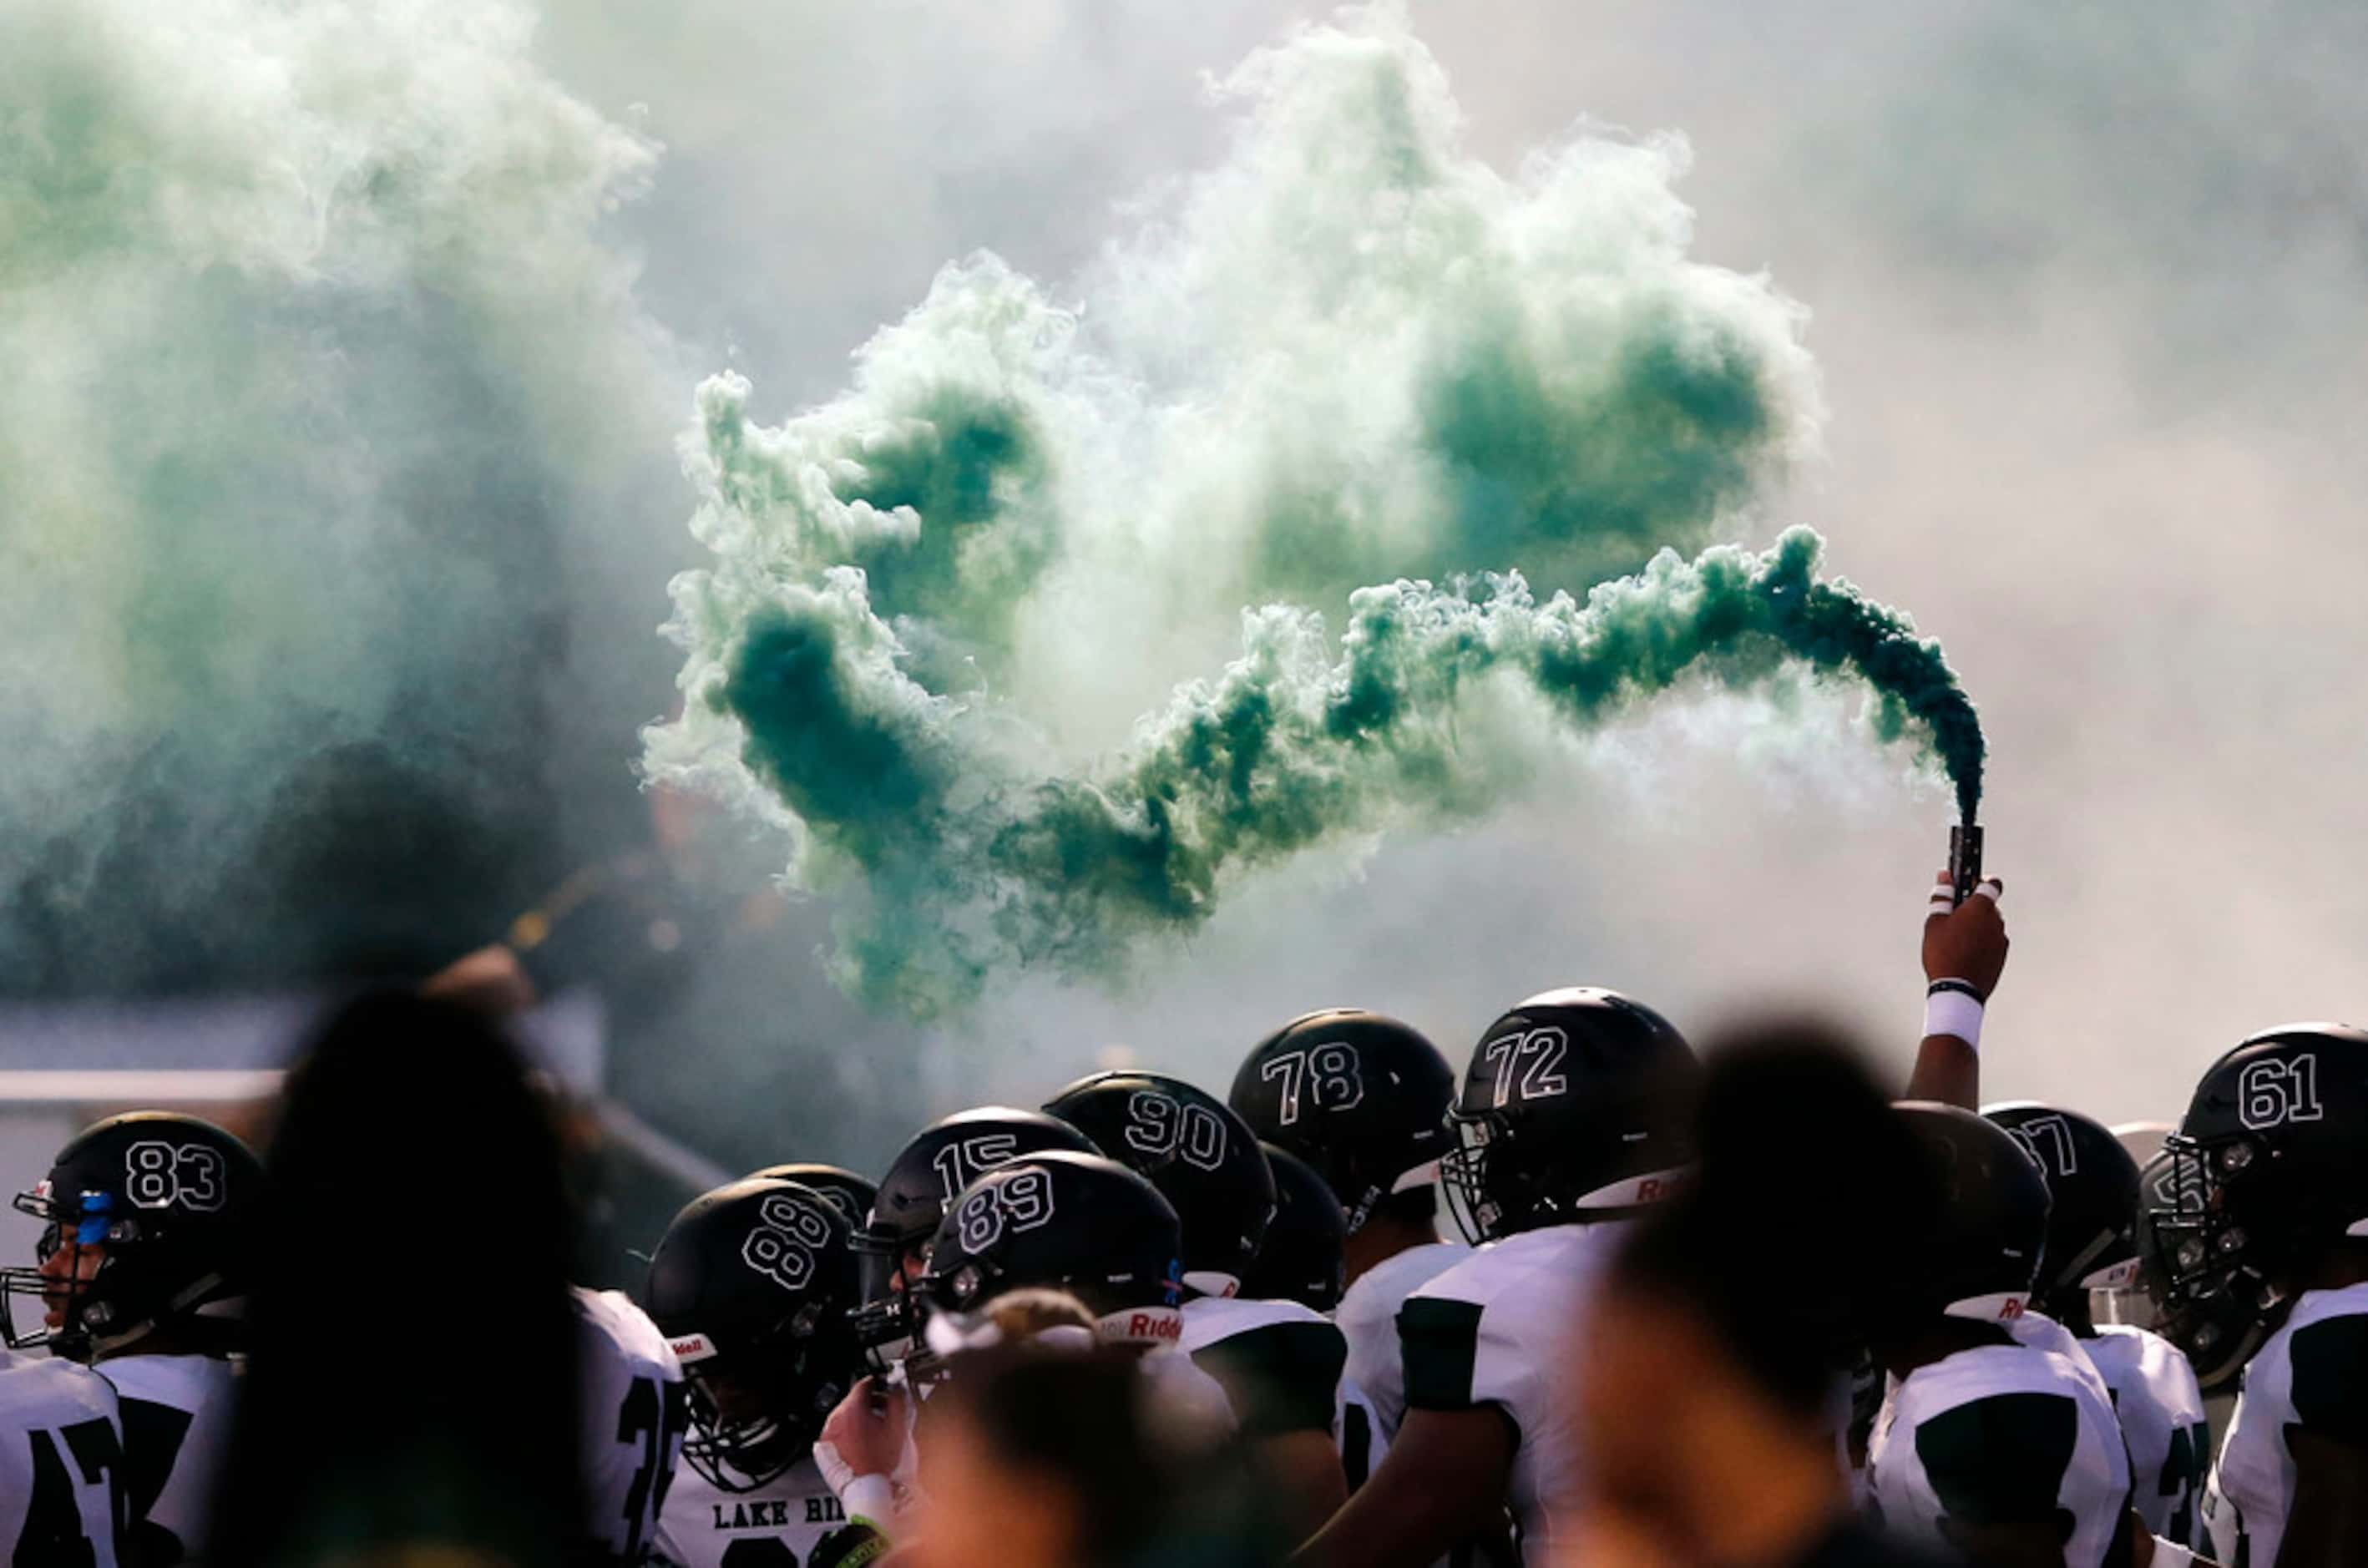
[(142, 1215), (1073, 1222), (2269, 1166), (752, 1285), (1577, 1107), (1200, 1156), (1361, 1098)]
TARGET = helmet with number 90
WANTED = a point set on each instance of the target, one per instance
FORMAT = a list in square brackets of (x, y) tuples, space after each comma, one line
[(2269, 1166), (751, 1285), (2092, 1190), (1575, 1107), (159, 1199), (1203, 1159), (1361, 1098), (1075, 1222)]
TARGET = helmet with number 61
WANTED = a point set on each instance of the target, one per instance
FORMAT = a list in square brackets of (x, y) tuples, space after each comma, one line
[(752, 1285), (142, 1215), (1577, 1107), (2269, 1166)]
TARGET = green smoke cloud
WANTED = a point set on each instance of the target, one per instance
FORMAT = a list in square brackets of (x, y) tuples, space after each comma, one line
[(1350, 355)]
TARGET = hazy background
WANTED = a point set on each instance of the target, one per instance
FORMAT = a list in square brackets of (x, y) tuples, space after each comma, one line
[(2090, 297)]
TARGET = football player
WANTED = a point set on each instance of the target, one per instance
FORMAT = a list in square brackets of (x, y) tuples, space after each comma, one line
[(1300, 1261), (63, 1497), (848, 1193), (942, 1159), (2271, 1212), (752, 1285), (634, 1417), (2092, 1187), (141, 1269), (1572, 1118), (1364, 1099), (1996, 1438), (1280, 1362)]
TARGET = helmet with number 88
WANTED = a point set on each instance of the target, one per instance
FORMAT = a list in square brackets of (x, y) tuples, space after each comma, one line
[(1577, 1107), (1203, 1159), (1361, 1098), (1073, 1222), (158, 1200), (2269, 1166), (751, 1285)]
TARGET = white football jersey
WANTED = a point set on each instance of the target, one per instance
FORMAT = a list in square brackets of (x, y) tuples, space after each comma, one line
[(2312, 1373), (1496, 1329), (63, 1494), (2003, 1434), (777, 1525), (1357, 1433), (634, 1416), (176, 1424), (1368, 1316), (1291, 1353), (2162, 1408)]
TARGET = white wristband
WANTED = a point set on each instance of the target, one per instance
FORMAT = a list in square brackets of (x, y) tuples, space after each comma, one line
[(871, 1499), (1954, 1013)]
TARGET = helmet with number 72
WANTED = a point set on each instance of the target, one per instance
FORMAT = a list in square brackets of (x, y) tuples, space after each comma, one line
[(156, 1199), (2270, 1165), (1577, 1107)]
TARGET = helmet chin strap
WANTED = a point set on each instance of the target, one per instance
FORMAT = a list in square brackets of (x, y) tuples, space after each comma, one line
[(197, 1291)]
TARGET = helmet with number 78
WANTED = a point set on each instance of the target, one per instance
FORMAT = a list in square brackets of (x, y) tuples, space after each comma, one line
[(1361, 1098), (2270, 1165), (1577, 1107), (158, 1199)]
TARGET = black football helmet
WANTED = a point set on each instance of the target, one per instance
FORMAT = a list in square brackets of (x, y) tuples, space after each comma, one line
[(167, 1198), (1067, 1222), (1302, 1258), (1983, 1257), (1575, 1107), (1361, 1098), (2270, 1165), (2217, 1326), (848, 1193), (944, 1158), (1201, 1156), (2093, 1191), (752, 1285)]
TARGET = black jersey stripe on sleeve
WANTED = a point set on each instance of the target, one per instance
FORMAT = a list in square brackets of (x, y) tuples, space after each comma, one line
[(1440, 1343), (2001, 1460), (1281, 1376), (2330, 1377)]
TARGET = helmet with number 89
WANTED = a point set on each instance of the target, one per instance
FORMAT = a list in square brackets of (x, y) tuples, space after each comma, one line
[(942, 1159), (1361, 1098), (2269, 1166), (1203, 1159), (1577, 1107), (158, 1200), (1073, 1222), (751, 1285)]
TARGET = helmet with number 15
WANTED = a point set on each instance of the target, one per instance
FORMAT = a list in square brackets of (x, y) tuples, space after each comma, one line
[(142, 1216), (2269, 1166), (1577, 1107)]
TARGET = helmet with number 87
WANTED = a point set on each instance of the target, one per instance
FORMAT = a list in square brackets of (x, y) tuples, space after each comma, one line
[(751, 1285), (1361, 1098), (158, 1201), (1203, 1159), (2092, 1209), (2269, 1166), (1073, 1222), (1577, 1107)]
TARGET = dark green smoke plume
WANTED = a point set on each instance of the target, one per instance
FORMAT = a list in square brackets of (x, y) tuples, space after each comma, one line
[(1350, 355)]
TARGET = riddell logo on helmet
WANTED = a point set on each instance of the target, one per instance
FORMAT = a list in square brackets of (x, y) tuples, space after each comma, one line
[(1154, 1325), (2012, 1307)]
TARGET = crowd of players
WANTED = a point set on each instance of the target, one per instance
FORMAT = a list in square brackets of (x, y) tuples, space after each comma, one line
[(1740, 1307)]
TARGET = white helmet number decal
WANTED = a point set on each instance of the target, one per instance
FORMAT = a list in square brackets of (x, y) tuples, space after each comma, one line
[(1543, 1050), (173, 1176), (2272, 1091), (1162, 1125), (1023, 1203), (1326, 1074), (959, 1164), (2048, 1141), (782, 1247)]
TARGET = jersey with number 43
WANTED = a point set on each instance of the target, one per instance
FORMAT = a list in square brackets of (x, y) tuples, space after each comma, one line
[(791, 1521), (2311, 1374), (177, 1423), (634, 1416), (1496, 1329), (2019, 1434), (2162, 1408), (62, 1499)]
